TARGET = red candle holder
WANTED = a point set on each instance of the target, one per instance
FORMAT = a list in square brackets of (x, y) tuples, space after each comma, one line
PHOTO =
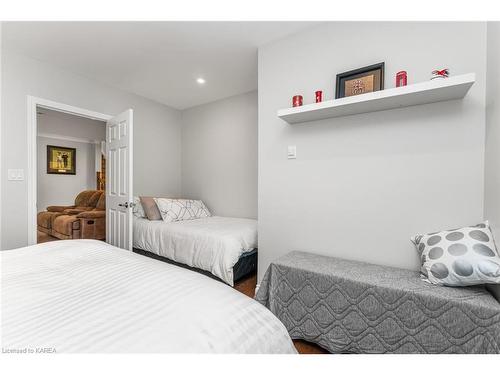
[(401, 78), (297, 101), (319, 96)]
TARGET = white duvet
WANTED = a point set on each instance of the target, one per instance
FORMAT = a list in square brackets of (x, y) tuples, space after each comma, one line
[(213, 244), (88, 296)]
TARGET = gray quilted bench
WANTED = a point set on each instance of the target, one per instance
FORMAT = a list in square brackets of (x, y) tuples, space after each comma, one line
[(354, 307)]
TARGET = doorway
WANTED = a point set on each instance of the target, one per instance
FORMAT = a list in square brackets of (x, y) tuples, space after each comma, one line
[(71, 155), (115, 175)]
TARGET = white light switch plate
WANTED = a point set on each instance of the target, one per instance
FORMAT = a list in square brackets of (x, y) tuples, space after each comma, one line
[(15, 174), (292, 152)]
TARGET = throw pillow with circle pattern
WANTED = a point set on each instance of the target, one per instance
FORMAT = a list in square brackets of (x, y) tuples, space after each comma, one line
[(459, 257)]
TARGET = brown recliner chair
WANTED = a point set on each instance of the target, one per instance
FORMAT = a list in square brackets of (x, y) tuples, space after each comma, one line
[(93, 223), (61, 221)]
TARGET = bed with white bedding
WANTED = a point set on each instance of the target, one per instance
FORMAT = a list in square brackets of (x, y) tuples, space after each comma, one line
[(214, 244), (88, 296)]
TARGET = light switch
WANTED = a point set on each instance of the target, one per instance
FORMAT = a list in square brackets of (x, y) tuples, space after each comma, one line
[(15, 174), (292, 152)]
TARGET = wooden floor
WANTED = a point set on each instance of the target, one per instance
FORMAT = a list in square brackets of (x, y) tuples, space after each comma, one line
[(247, 287), (44, 237)]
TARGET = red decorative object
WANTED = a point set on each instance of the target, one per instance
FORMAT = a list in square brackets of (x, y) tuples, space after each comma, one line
[(401, 78), (443, 73), (319, 96), (297, 101)]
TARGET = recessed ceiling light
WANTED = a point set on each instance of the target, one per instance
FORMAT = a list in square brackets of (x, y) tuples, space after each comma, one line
[(200, 80)]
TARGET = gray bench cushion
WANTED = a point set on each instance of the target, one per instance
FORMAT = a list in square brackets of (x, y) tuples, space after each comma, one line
[(348, 306)]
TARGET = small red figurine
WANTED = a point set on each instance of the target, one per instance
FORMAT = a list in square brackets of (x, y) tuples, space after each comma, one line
[(401, 78), (443, 73), (297, 101), (319, 96)]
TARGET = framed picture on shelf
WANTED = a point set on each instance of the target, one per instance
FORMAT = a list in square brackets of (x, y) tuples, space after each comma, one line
[(61, 160), (360, 81)]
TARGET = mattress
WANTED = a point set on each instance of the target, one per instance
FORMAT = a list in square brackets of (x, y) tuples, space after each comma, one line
[(214, 244), (246, 265), (88, 296), (355, 307)]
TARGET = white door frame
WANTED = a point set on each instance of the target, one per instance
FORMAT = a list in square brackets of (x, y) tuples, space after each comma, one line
[(31, 174)]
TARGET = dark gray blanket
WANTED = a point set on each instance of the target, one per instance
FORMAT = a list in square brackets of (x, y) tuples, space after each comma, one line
[(354, 307)]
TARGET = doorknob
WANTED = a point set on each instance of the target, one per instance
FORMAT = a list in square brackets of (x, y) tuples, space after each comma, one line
[(127, 204)]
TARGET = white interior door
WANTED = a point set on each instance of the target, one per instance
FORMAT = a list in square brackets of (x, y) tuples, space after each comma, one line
[(119, 195)]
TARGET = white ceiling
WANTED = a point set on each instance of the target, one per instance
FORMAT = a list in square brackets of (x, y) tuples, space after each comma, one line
[(158, 60), (54, 124)]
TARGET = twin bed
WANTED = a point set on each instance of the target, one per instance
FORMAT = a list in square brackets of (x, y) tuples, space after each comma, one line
[(224, 247), (214, 244), (88, 296)]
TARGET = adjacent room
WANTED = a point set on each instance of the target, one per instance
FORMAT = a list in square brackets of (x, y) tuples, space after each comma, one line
[(251, 187), (71, 171)]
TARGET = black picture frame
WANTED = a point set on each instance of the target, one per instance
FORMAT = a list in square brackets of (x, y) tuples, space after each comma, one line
[(357, 73), (70, 169)]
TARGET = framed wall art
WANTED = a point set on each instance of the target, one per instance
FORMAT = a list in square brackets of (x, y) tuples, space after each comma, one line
[(360, 81), (61, 160)]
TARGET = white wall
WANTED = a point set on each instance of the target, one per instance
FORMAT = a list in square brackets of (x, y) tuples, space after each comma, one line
[(157, 133), (54, 189), (219, 155), (492, 159), (362, 185)]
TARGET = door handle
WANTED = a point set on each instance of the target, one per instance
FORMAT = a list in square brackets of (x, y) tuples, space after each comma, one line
[(127, 204)]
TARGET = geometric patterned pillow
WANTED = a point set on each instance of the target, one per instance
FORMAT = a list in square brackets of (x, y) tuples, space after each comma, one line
[(181, 209), (459, 257), (137, 209)]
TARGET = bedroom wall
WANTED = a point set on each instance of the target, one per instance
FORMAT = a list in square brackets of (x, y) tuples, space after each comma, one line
[(219, 155), (492, 159), (54, 189), (157, 133), (362, 185)]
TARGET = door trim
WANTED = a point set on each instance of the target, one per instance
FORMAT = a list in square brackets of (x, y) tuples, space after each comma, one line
[(31, 173)]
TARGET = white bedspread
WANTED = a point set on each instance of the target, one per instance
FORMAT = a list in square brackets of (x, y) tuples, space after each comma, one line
[(88, 296), (213, 244)]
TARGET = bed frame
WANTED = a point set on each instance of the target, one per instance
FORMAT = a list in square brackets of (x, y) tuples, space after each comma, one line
[(246, 265)]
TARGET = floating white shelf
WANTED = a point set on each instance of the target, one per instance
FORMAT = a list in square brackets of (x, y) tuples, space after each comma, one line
[(437, 90)]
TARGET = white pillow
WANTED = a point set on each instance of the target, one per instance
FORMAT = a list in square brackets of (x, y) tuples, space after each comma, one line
[(181, 209), (137, 210), (459, 257)]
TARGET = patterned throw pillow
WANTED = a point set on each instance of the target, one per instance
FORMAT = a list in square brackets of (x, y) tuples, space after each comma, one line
[(459, 257), (137, 210), (181, 209)]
